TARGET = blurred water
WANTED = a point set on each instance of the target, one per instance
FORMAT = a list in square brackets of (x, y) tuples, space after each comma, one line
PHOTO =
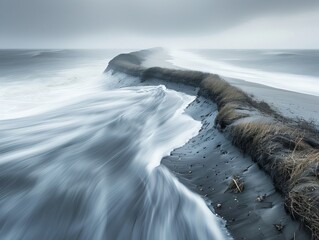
[(35, 81), (84, 162), (293, 70)]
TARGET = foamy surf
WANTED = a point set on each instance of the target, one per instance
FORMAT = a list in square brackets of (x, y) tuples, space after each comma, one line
[(286, 81), (90, 169)]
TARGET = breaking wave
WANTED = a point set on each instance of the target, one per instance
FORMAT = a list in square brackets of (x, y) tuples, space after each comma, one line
[(91, 169)]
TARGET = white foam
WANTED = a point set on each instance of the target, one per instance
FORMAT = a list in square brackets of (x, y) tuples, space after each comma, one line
[(92, 168), (31, 94), (291, 82)]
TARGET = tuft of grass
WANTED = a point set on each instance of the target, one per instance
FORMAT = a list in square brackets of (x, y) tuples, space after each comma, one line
[(228, 115), (192, 78), (236, 184), (303, 201), (222, 92), (299, 164), (293, 164)]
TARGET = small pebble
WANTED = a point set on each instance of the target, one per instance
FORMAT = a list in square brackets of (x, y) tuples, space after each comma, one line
[(279, 227)]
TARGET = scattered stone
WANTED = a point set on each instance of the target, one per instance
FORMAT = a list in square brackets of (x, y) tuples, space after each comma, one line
[(261, 198), (218, 205), (279, 227), (223, 152)]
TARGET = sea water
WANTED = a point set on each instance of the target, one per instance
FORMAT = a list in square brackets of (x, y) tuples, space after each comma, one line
[(80, 157)]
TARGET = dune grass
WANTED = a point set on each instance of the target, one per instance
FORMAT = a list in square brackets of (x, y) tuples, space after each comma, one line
[(192, 78), (222, 92), (288, 150)]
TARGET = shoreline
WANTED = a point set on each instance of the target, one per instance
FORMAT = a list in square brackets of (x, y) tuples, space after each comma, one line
[(300, 105), (256, 129), (207, 165)]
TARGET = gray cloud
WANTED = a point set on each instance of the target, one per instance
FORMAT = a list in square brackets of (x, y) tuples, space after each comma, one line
[(55, 20)]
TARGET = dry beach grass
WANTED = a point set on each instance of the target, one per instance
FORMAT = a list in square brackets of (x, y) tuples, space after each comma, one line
[(288, 150)]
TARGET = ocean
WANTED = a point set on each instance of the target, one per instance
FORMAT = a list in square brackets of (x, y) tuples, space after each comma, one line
[(80, 157), (292, 70)]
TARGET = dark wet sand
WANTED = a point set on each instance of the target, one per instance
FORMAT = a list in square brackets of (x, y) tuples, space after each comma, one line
[(207, 164)]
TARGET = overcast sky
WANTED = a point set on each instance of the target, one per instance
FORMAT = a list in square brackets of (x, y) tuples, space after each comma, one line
[(167, 23)]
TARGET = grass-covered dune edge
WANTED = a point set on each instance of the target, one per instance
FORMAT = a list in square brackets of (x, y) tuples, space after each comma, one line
[(287, 149)]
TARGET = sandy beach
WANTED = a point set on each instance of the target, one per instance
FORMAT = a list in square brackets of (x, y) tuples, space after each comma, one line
[(232, 184), (159, 120), (289, 103)]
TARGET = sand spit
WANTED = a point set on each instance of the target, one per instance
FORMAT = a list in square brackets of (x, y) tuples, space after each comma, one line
[(287, 149)]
